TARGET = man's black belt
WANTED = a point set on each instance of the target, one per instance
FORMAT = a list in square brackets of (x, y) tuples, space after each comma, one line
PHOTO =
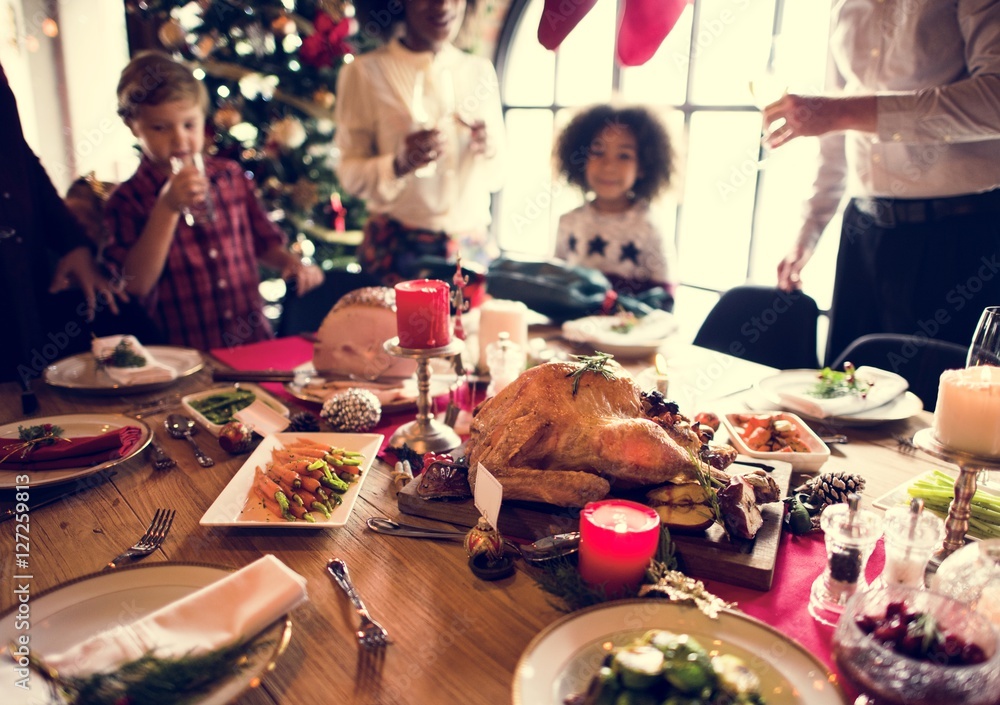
[(890, 212)]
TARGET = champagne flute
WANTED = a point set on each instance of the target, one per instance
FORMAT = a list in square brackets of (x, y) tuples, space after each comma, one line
[(985, 347), (421, 121)]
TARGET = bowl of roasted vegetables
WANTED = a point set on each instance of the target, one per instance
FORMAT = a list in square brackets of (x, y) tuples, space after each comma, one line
[(776, 435)]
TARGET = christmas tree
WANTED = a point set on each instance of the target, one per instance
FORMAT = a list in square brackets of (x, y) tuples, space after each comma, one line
[(270, 67)]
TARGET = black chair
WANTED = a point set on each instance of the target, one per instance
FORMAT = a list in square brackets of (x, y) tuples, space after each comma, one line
[(918, 359), (765, 325), (303, 314)]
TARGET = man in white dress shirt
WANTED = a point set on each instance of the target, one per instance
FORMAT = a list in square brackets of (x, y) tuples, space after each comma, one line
[(913, 138)]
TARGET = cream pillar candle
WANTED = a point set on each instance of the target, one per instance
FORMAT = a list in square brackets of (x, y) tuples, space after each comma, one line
[(497, 316), (967, 416)]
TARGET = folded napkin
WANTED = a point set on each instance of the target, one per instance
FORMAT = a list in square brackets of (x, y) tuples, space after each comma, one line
[(236, 607), (71, 452), (885, 386), (151, 372)]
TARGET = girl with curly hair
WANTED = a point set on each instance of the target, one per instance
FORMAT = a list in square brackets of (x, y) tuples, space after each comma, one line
[(621, 159)]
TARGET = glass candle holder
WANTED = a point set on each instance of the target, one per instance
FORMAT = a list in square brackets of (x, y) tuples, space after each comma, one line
[(911, 536), (423, 314), (972, 575), (851, 535), (617, 540)]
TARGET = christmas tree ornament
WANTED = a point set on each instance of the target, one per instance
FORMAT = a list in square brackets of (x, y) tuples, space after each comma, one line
[(235, 437), (303, 422), (483, 538), (353, 410), (305, 194), (324, 98), (287, 133), (283, 24), (171, 34), (226, 117)]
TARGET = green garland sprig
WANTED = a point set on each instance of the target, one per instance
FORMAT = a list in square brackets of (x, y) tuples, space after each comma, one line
[(150, 680)]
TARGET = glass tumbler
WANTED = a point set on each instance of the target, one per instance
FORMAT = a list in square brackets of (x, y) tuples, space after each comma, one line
[(850, 539)]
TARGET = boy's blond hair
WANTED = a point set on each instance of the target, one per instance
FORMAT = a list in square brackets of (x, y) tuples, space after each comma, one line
[(154, 78)]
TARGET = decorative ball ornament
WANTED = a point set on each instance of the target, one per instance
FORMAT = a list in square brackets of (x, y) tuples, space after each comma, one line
[(227, 117), (236, 437), (484, 539), (353, 410), (171, 34), (324, 98)]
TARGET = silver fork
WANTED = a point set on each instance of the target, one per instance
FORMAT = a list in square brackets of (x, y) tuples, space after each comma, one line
[(371, 635), (157, 531), (161, 461)]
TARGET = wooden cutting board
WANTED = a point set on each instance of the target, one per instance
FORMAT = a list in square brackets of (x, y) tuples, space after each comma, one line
[(709, 555)]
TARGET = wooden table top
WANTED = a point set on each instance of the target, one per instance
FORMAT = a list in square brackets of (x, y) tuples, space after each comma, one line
[(456, 639)]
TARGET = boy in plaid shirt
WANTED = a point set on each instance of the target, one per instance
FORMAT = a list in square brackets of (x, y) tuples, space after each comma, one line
[(198, 279)]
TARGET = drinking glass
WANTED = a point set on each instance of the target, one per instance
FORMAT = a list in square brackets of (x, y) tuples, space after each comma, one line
[(200, 213), (985, 347), (421, 120)]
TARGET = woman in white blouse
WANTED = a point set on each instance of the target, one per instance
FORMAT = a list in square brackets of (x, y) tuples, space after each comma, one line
[(420, 133)]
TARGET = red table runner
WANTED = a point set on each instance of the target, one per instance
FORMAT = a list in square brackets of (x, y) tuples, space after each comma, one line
[(800, 559)]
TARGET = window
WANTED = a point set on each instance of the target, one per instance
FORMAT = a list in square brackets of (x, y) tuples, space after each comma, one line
[(734, 210)]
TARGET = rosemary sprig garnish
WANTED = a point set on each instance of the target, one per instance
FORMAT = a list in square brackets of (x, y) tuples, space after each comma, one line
[(150, 680), (590, 363), (122, 356)]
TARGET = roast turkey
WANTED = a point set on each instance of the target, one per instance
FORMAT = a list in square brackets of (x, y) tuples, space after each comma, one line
[(566, 437)]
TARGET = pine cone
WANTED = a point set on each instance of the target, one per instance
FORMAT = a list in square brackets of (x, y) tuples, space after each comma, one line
[(304, 422), (831, 488)]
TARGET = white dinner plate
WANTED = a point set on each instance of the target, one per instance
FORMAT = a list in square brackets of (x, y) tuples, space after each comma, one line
[(308, 387), (797, 381), (76, 610), (561, 659), (80, 372), (73, 425), (236, 505), (644, 338)]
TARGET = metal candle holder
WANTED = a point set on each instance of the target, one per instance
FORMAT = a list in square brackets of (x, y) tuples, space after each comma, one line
[(969, 466), (425, 434)]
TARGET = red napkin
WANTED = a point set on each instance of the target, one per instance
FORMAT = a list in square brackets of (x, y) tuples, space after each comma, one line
[(71, 452)]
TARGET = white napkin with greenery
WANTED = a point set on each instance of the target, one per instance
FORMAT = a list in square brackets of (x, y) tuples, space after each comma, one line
[(150, 371), (236, 607), (884, 386)]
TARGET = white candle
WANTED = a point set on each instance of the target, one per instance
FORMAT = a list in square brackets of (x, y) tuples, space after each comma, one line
[(497, 316), (967, 416)]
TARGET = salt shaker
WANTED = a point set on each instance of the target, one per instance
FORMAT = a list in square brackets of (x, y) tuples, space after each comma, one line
[(851, 534), (506, 360), (911, 536)]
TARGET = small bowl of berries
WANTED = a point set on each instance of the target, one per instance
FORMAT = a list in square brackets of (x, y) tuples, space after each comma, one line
[(906, 646)]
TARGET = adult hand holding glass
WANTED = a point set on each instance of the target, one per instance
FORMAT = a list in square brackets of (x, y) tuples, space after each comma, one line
[(792, 116), (418, 149)]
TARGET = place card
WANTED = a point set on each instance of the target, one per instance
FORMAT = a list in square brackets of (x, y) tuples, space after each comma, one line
[(488, 496)]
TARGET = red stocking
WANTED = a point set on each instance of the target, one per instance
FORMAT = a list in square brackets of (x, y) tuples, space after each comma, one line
[(558, 18), (644, 26)]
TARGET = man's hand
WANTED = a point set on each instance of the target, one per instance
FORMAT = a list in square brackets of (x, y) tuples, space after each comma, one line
[(794, 116), (306, 276), (790, 269), (77, 268)]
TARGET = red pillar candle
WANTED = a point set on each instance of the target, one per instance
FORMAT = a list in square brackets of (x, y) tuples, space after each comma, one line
[(617, 540), (423, 311)]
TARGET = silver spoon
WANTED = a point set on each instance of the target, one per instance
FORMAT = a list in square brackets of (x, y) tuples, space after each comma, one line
[(180, 426), (544, 549)]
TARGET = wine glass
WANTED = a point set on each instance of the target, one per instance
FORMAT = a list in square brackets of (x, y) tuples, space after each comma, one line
[(985, 347), (985, 351)]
